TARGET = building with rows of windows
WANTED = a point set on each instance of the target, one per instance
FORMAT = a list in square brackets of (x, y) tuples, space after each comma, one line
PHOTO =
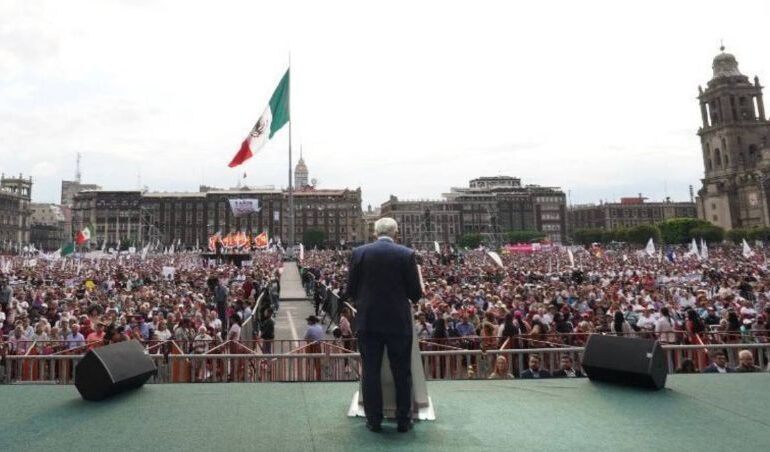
[(627, 213), (490, 206), (189, 218)]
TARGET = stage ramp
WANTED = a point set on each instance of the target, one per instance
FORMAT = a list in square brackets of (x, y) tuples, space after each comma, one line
[(291, 283)]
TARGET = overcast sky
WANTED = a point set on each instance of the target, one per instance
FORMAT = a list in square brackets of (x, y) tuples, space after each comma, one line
[(408, 98)]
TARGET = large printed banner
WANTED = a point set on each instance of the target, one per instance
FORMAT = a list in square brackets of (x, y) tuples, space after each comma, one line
[(241, 207)]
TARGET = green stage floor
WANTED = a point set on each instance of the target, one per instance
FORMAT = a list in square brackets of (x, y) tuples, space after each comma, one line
[(695, 412)]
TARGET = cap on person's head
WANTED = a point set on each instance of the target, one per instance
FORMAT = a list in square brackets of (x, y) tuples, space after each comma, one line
[(312, 319)]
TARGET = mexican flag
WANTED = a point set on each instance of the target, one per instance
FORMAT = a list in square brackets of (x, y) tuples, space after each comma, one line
[(273, 118), (83, 236), (67, 249)]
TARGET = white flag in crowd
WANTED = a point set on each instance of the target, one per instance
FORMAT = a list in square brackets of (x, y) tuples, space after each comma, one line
[(747, 253), (693, 251), (571, 258), (704, 250), (496, 258), (650, 248), (437, 247)]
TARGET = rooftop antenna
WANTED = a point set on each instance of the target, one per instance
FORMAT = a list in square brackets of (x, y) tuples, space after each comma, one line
[(77, 169)]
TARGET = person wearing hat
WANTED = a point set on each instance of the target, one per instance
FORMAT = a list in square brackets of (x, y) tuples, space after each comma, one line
[(383, 278), (315, 332)]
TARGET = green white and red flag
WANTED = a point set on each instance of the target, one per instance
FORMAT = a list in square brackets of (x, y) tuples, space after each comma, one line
[(84, 235), (275, 116)]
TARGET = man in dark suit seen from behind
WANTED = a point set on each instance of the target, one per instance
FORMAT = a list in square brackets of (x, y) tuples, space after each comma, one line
[(383, 277), (534, 370)]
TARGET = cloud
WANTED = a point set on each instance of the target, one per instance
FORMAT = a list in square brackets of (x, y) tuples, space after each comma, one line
[(43, 169)]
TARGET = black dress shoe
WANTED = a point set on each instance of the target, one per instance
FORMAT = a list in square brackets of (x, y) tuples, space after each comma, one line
[(404, 426), (375, 427)]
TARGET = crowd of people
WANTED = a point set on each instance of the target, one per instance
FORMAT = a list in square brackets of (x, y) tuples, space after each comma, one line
[(555, 298), (548, 298), (75, 303)]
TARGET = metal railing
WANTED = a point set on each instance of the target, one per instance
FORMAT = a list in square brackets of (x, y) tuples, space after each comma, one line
[(324, 361), (330, 306)]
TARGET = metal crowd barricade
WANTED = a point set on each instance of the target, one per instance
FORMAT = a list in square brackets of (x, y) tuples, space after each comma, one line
[(675, 354), (327, 361), (251, 325)]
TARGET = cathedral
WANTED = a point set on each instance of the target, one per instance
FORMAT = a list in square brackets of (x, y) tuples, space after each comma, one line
[(736, 156)]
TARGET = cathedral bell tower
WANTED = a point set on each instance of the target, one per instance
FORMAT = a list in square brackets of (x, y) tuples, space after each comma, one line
[(734, 141)]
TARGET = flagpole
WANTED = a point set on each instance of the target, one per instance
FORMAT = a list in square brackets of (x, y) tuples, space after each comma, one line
[(291, 188)]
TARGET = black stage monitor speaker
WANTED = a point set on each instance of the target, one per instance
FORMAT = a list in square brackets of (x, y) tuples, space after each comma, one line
[(112, 369), (626, 361)]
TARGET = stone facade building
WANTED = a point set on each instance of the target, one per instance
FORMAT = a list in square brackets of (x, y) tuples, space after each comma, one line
[(734, 146), (301, 174), (70, 188), (490, 206), (47, 221), (189, 218), (493, 206), (15, 211), (337, 213), (629, 212), (420, 223)]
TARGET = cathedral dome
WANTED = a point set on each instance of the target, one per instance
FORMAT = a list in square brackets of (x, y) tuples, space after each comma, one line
[(725, 65)]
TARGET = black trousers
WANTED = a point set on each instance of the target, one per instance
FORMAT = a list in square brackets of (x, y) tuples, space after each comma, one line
[(372, 347)]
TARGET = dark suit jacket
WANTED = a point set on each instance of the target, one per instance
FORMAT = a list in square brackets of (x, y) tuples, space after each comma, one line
[(528, 374), (561, 374), (382, 278), (712, 369)]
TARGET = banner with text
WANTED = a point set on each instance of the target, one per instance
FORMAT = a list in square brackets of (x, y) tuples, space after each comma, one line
[(241, 207)]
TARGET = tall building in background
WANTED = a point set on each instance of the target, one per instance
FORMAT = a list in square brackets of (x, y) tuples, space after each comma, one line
[(189, 218), (47, 226), (15, 210), (734, 145), (421, 222), (490, 206), (301, 180), (70, 188)]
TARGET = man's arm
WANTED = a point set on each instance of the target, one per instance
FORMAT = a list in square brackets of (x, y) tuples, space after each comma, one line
[(353, 275), (413, 285)]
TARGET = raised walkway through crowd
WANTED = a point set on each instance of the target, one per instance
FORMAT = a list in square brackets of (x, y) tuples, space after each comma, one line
[(295, 306)]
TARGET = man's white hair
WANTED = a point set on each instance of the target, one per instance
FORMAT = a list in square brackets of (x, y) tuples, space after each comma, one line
[(386, 226)]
